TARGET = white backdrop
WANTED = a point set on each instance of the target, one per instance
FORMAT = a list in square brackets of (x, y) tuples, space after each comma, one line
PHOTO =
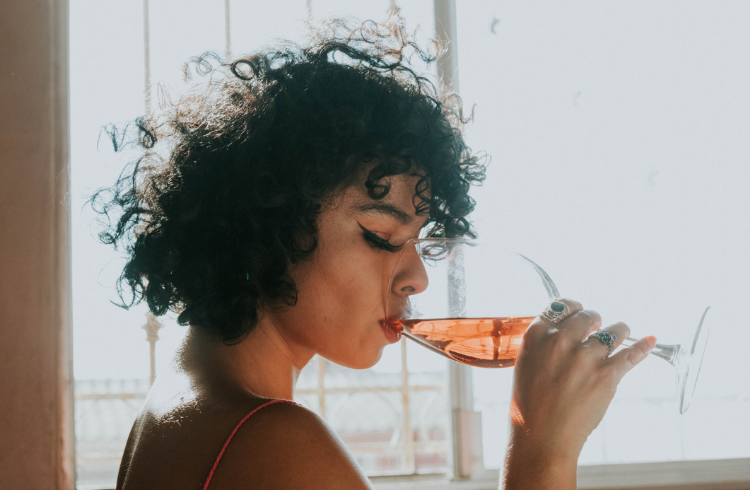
[(620, 137), (619, 134)]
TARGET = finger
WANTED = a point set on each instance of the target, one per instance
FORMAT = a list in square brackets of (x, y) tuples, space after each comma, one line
[(627, 358), (541, 326), (580, 325), (600, 350), (571, 307)]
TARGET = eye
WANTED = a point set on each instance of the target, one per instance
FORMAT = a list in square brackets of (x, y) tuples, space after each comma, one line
[(378, 242)]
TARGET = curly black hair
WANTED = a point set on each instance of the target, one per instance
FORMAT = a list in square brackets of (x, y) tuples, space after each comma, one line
[(212, 216)]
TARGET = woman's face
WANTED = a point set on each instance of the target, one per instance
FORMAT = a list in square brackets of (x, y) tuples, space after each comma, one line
[(342, 287)]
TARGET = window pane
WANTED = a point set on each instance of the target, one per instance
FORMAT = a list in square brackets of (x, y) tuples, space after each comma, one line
[(618, 133), (374, 10), (256, 24), (367, 409), (112, 354)]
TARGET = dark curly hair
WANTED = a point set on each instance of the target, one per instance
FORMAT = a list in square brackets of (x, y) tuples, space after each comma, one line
[(213, 214)]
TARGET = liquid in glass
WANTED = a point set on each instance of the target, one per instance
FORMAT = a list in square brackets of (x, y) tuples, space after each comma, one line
[(480, 342)]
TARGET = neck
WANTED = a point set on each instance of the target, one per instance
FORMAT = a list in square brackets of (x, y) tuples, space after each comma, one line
[(264, 364)]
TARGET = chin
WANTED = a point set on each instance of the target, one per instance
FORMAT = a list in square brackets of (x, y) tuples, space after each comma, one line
[(362, 360)]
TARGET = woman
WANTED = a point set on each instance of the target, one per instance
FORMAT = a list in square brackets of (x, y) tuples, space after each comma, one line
[(269, 223)]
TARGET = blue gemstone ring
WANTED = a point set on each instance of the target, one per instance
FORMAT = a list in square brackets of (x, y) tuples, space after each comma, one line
[(556, 312), (605, 338)]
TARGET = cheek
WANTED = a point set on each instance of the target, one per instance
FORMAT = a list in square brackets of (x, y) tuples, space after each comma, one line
[(354, 290), (343, 286), (348, 306), (359, 282)]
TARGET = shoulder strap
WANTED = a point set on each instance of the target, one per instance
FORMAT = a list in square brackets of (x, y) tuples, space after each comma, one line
[(216, 463)]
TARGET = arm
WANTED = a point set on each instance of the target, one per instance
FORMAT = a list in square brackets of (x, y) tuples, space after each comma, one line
[(526, 469), (563, 384)]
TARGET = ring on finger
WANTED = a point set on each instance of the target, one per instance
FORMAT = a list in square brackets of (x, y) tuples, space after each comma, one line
[(606, 339), (556, 312)]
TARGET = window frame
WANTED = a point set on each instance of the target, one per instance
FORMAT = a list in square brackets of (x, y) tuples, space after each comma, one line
[(468, 472), (35, 277)]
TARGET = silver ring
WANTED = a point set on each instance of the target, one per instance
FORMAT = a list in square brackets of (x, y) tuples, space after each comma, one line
[(605, 338), (556, 312)]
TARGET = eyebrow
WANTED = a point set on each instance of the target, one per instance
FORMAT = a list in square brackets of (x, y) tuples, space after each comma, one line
[(387, 209)]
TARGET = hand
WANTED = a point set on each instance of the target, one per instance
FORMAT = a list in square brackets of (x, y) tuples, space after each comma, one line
[(563, 385)]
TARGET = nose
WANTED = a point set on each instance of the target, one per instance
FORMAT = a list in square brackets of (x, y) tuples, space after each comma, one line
[(410, 276)]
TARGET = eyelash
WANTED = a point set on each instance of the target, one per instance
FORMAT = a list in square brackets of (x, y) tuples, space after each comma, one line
[(379, 242)]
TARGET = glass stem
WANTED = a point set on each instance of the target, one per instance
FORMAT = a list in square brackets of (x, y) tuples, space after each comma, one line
[(663, 351)]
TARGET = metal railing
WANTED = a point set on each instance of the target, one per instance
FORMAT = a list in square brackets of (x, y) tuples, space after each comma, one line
[(400, 437), (106, 409)]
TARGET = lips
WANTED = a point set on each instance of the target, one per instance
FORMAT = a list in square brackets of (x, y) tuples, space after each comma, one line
[(392, 334)]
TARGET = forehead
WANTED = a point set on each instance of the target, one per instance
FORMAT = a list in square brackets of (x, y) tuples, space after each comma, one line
[(400, 202)]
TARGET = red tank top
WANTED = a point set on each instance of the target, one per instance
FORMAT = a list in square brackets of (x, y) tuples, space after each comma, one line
[(218, 458)]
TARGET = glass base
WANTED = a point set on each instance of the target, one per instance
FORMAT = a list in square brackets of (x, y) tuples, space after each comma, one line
[(689, 361)]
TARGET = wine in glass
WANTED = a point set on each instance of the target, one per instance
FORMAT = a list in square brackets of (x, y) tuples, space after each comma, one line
[(480, 299)]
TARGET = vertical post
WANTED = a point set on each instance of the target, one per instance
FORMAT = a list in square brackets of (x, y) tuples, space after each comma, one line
[(460, 382), (152, 327), (322, 386), (445, 31), (465, 422), (62, 247), (227, 26), (146, 58), (409, 450)]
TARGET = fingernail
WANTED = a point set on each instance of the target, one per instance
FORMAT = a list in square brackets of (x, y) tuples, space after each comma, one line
[(651, 341)]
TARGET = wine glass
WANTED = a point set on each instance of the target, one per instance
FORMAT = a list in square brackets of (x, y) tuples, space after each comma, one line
[(481, 298)]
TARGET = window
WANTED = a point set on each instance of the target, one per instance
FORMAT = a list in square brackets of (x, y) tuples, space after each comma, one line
[(619, 165)]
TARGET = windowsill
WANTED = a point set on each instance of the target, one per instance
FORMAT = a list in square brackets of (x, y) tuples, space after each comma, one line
[(725, 474)]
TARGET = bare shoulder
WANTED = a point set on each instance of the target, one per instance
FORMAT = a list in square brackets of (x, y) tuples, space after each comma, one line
[(286, 446)]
